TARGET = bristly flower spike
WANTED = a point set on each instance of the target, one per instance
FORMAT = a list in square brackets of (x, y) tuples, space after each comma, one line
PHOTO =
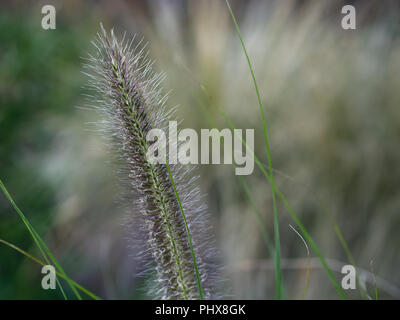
[(131, 100)]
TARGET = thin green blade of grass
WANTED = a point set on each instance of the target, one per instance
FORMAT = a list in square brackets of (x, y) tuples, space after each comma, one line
[(117, 76), (244, 186), (187, 232), (261, 167), (55, 262), (196, 269), (375, 285), (313, 246), (29, 227), (278, 271), (201, 294), (350, 257), (281, 196), (38, 240), (260, 221), (343, 243), (246, 191), (257, 214), (29, 256)]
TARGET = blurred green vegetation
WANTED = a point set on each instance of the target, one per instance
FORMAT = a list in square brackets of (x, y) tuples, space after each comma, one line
[(41, 128), (332, 105), (39, 77)]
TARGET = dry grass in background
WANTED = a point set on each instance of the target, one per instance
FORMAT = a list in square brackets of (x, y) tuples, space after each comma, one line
[(331, 100)]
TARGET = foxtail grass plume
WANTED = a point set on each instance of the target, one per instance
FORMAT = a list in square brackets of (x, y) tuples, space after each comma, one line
[(129, 96)]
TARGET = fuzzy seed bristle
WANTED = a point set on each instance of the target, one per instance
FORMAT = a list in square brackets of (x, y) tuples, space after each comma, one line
[(132, 102)]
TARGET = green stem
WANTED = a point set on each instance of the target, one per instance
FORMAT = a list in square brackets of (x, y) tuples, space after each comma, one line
[(39, 242), (280, 195), (180, 273), (26, 254), (278, 270)]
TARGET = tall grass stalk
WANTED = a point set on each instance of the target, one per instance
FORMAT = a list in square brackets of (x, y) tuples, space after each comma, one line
[(278, 271), (267, 240), (282, 197), (29, 256), (168, 214), (258, 216), (44, 250)]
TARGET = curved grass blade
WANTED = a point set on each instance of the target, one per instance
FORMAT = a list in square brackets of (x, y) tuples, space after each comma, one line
[(265, 173), (26, 254), (260, 221), (257, 214), (350, 258), (196, 269), (34, 238), (374, 279), (278, 271), (111, 71), (38, 240), (281, 196), (187, 231)]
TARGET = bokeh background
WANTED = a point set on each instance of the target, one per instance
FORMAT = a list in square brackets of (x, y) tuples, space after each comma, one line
[(332, 104)]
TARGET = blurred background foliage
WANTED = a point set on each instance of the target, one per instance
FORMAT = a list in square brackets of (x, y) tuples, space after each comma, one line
[(331, 100)]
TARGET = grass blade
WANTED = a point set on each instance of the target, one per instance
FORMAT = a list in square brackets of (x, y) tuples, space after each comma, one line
[(187, 231), (26, 254), (278, 271), (350, 258), (258, 216), (38, 240), (171, 178), (281, 196)]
